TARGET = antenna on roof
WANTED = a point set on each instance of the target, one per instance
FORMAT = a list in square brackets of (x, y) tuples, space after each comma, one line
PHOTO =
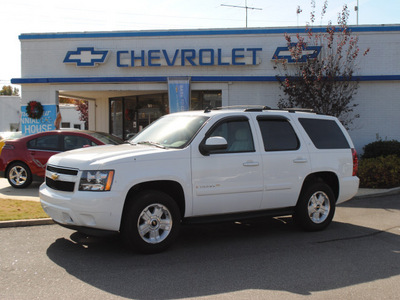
[(245, 7)]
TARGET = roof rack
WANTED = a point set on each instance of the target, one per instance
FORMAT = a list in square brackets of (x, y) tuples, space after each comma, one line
[(297, 109), (256, 108), (245, 107)]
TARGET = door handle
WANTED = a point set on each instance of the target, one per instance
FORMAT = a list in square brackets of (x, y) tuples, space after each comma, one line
[(300, 160), (251, 164)]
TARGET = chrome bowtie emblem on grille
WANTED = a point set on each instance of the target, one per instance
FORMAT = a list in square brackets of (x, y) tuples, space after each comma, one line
[(55, 176)]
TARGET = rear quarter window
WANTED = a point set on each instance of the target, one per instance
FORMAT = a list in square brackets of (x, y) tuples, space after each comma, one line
[(325, 134)]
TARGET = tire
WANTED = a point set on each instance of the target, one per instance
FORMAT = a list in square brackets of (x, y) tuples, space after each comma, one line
[(316, 207), (19, 175), (151, 222)]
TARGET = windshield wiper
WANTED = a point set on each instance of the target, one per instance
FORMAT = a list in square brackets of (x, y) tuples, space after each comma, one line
[(151, 144)]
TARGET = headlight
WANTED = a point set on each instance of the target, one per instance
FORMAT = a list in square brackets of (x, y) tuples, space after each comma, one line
[(96, 180)]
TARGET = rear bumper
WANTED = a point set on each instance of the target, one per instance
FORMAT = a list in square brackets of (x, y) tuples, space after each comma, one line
[(348, 188)]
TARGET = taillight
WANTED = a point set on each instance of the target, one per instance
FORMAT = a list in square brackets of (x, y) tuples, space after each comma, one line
[(355, 161)]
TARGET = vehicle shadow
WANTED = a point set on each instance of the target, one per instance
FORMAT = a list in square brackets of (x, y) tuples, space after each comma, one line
[(268, 254)]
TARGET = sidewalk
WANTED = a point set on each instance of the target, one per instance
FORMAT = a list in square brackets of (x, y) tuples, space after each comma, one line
[(31, 193)]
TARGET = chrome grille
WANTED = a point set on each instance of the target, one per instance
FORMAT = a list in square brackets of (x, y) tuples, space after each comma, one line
[(61, 179)]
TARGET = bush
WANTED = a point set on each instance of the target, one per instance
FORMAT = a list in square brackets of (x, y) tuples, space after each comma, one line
[(381, 148), (379, 172)]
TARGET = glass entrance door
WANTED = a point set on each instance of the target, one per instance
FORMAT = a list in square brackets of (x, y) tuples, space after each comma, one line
[(129, 115)]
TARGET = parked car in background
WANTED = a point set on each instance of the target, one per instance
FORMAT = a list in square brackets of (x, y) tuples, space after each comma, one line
[(24, 159), (8, 135)]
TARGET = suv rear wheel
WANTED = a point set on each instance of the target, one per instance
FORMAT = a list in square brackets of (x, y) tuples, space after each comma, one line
[(316, 207), (151, 222)]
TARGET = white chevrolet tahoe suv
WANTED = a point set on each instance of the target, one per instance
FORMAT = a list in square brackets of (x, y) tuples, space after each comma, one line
[(196, 166)]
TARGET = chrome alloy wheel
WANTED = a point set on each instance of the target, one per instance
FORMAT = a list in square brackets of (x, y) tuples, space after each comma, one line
[(318, 207), (154, 223), (18, 175)]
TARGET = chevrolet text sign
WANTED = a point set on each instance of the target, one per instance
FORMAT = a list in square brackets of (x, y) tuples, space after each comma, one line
[(88, 56)]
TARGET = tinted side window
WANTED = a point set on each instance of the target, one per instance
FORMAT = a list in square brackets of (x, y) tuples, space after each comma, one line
[(238, 135), (278, 135), (74, 142), (48, 142), (325, 134)]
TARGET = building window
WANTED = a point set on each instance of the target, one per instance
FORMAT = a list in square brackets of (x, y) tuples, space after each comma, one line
[(200, 100), (65, 124), (129, 115)]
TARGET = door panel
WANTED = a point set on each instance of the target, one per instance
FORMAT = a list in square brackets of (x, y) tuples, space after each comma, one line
[(40, 150), (286, 162), (228, 180)]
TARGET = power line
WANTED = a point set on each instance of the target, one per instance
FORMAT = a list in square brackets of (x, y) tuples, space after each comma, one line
[(245, 7)]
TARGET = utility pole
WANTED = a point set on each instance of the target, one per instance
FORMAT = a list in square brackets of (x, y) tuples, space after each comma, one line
[(357, 9), (245, 7)]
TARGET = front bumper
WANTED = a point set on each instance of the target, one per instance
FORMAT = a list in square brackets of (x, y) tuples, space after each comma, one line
[(100, 210)]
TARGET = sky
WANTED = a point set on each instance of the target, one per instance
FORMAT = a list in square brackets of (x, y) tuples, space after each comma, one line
[(47, 16)]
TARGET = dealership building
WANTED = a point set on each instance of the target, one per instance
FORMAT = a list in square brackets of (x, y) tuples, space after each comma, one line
[(131, 78)]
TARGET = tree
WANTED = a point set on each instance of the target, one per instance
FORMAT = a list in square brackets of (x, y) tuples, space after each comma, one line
[(326, 83), (83, 108), (8, 90)]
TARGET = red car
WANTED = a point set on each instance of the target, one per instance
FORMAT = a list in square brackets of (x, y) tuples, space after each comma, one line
[(24, 159)]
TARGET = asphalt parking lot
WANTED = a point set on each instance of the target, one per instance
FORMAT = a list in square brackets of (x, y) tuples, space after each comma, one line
[(356, 257)]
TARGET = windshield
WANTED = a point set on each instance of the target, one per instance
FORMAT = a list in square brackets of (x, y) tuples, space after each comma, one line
[(171, 131)]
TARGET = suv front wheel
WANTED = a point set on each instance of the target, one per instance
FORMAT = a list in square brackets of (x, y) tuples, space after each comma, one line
[(151, 222), (316, 207)]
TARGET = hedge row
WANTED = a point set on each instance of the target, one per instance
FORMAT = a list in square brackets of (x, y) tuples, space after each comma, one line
[(379, 172), (379, 166), (381, 148)]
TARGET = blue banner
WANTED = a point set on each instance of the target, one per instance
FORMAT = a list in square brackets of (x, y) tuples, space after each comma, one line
[(178, 94), (45, 123)]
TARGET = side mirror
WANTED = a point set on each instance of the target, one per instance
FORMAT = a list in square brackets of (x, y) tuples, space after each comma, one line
[(213, 143)]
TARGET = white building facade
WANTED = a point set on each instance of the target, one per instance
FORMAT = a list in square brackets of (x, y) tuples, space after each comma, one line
[(10, 107), (127, 76)]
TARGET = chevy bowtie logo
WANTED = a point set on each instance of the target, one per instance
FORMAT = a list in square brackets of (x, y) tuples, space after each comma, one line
[(308, 52), (55, 176), (86, 57)]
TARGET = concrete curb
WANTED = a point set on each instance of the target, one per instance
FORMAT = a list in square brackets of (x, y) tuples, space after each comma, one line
[(377, 193), (24, 223)]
